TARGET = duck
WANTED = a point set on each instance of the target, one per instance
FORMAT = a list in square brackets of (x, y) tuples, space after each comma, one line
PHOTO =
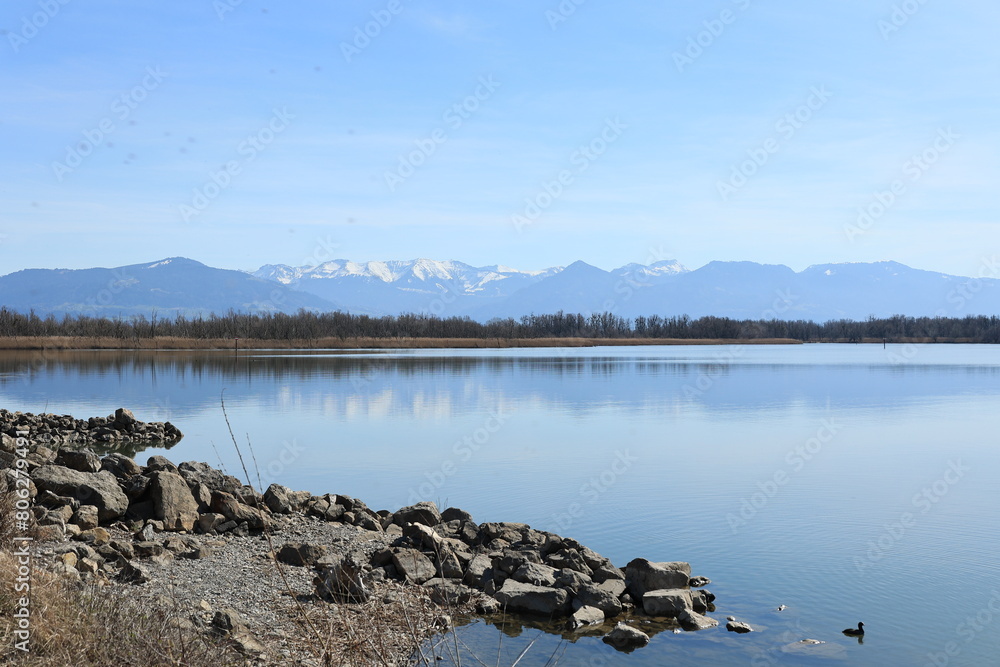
[(859, 632)]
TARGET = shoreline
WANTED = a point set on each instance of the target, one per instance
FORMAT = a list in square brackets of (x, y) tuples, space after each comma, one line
[(194, 532), (348, 345), (351, 344)]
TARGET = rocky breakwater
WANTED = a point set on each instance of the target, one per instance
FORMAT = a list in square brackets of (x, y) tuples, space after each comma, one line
[(58, 431), (110, 517)]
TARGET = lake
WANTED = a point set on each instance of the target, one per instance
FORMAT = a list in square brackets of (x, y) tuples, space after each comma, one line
[(847, 482)]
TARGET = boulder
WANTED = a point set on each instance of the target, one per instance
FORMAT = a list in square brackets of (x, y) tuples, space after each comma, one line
[(625, 638), (172, 501), (282, 500), (344, 579), (209, 521), (642, 576), (585, 616), (120, 466), (448, 592), (124, 417), (738, 627), (478, 571), (455, 514), (614, 586), (195, 472), (300, 553), (530, 599), (155, 463), (80, 461), (86, 517), (669, 602), (591, 595), (535, 573), (134, 573), (225, 504), (692, 620), (425, 513), (98, 488), (413, 566)]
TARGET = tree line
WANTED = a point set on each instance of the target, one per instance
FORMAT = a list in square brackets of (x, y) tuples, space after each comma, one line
[(313, 326)]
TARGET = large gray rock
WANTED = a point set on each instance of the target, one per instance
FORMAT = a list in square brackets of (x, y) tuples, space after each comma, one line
[(201, 473), (448, 592), (530, 599), (691, 620), (625, 638), (738, 627), (479, 571), (81, 461), (120, 466), (591, 595), (225, 504), (97, 488), (585, 616), (300, 553), (667, 603), (535, 573), (414, 566), (282, 500), (344, 579), (642, 576), (172, 501), (425, 513)]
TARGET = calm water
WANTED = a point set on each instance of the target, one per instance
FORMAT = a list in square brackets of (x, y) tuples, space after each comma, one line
[(848, 482)]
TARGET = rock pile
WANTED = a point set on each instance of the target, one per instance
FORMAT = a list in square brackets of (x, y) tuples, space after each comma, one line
[(498, 567), (54, 431)]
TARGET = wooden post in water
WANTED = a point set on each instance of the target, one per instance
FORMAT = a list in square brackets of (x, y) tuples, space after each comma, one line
[(236, 345)]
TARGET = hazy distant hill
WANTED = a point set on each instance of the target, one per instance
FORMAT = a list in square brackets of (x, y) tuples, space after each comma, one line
[(168, 287), (449, 288)]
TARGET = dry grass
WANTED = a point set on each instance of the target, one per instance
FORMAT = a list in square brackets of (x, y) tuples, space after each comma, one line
[(172, 343), (95, 625)]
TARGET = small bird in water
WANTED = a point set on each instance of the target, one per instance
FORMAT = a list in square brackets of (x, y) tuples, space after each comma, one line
[(859, 632), (782, 607)]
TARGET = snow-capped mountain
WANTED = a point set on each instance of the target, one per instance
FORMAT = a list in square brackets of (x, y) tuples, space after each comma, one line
[(418, 286), (741, 290)]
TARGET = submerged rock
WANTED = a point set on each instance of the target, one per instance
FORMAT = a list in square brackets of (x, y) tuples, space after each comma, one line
[(625, 638)]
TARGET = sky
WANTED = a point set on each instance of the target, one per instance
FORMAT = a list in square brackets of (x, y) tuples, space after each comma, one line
[(528, 134)]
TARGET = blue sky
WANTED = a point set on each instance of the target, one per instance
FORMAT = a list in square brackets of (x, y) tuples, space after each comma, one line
[(530, 134)]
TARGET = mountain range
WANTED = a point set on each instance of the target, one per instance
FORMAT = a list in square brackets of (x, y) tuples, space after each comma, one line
[(449, 288)]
